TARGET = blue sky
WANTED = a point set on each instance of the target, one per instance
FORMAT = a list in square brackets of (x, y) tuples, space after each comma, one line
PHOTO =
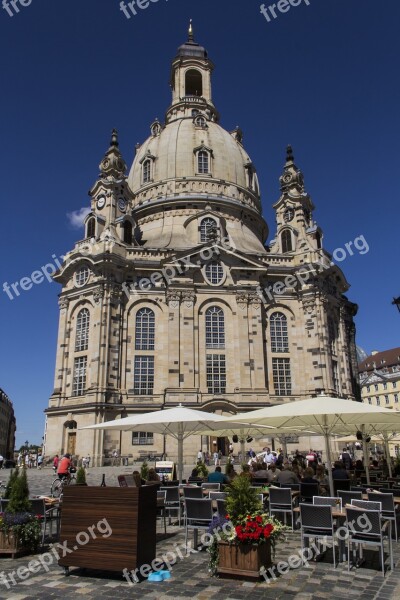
[(322, 77)]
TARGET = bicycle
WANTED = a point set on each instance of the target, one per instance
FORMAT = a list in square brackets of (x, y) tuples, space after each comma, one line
[(58, 484)]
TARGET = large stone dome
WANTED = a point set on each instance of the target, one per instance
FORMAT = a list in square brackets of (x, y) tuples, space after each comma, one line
[(173, 153)]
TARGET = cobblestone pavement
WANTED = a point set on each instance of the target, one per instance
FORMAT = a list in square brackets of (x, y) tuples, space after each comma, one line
[(190, 577)]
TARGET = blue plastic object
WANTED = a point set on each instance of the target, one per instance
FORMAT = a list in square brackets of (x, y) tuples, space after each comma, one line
[(159, 576)]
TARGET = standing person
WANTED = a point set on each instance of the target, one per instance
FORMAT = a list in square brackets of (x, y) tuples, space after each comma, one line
[(115, 458), (200, 456), (216, 459), (312, 459), (207, 458), (269, 457), (346, 459), (55, 462), (84, 462), (40, 461)]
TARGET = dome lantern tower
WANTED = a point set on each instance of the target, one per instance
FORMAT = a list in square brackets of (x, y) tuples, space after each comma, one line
[(191, 81)]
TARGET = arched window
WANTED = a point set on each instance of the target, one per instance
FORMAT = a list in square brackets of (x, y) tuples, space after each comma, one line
[(82, 330), (203, 162), (207, 227), (193, 83), (128, 237), (318, 239), (279, 332), (215, 327), (332, 335), (214, 273), (91, 228), (145, 329), (146, 171), (286, 241)]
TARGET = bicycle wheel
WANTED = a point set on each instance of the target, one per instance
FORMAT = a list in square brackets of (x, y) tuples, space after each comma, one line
[(56, 488), (72, 480)]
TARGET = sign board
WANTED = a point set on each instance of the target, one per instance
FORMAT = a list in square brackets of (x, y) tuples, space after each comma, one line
[(166, 470)]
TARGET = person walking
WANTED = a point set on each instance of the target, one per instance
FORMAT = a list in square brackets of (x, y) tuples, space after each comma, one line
[(216, 459)]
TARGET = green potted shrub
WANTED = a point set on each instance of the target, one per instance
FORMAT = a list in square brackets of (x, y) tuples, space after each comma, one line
[(202, 470), (81, 476), (244, 543), (19, 529), (144, 471)]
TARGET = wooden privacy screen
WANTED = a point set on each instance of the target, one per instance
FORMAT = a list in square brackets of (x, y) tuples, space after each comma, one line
[(129, 513)]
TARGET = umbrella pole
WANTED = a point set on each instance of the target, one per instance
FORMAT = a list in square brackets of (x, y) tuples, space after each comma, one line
[(180, 452), (366, 455), (242, 447), (387, 452), (328, 461)]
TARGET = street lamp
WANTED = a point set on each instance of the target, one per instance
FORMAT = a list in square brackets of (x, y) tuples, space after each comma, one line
[(396, 302)]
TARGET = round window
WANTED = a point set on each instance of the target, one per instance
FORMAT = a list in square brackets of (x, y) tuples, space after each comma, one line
[(82, 276)]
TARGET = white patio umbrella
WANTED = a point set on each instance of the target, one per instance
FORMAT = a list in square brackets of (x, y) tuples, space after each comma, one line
[(178, 422), (324, 414)]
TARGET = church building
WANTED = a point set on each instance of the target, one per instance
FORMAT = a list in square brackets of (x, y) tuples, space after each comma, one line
[(175, 296)]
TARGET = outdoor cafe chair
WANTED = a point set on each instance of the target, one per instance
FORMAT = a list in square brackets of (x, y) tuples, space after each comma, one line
[(38, 509), (126, 481), (161, 495), (198, 515), (332, 501), (221, 508), (376, 535), (358, 488), (308, 490), (347, 497), (172, 501), (316, 523), (341, 484), (367, 504), (192, 492), (281, 501), (211, 486), (388, 508), (217, 495)]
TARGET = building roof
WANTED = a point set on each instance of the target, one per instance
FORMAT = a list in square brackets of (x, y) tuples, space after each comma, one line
[(379, 360)]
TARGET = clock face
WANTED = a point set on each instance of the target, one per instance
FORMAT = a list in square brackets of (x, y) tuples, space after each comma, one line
[(101, 200), (288, 215), (122, 204)]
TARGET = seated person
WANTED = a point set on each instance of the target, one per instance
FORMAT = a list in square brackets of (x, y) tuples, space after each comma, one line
[(137, 480), (339, 472), (152, 476), (287, 475), (321, 476), (374, 466), (272, 473), (230, 471), (217, 476), (246, 472), (260, 470), (308, 476)]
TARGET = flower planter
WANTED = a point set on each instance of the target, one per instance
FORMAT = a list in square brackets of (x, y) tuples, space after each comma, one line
[(244, 560), (9, 545)]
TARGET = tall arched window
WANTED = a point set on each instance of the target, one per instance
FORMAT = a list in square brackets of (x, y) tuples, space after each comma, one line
[(207, 227), (145, 329), (286, 241), (332, 335), (128, 237), (193, 83), (203, 162), (82, 330), (91, 228), (146, 171), (318, 240), (215, 327), (279, 332)]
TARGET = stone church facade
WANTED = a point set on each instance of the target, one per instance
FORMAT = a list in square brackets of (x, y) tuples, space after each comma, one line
[(174, 296)]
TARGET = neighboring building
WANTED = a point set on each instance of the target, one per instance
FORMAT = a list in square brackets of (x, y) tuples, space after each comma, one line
[(8, 426), (173, 295), (380, 378)]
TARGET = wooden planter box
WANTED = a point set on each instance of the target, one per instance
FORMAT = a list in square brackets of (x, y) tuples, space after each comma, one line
[(9, 545), (131, 516), (244, 560)]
